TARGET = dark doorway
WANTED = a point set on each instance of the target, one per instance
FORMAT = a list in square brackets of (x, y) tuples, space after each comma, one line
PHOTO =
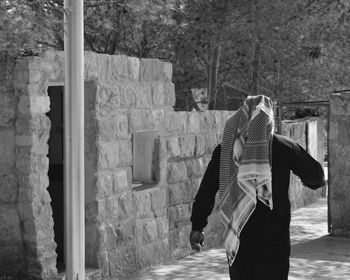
[(56, 169)]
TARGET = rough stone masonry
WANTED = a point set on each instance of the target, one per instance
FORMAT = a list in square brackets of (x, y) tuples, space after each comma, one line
[(131, 223)]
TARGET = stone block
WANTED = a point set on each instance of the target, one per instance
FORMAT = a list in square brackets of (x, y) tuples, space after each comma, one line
[(195, 167), (31, 200), (126, 206), (103, 261), (158, 95), (137, 119), (133, 68), (38, 126), (33, 163), (146, 119), (96, 211), (104, 184), (121, 180), (143, 204), (24, 148), (118, 67), (112, 67), (200, 145), (193, 124), (178, 214), (128, 94), (10, 227), (8, 188), (143, 95), (112, 128), (211, 142), (179, 246), (108, 100), (11, 258), (172, 146), (125, 153), (34, 104), (155, 118), (153, 70), (107, 155), (113, 211), (180, 193), (90, 65), (126, 230), (123, 261), (103, 68), (169, 94), (147, 231), (29, 181), (168, 71), (8, 106), (175, 122), (177, 172), (107, 237), (153, 254), (7, 148), (205, 122), (158, 201), (162, 227), (216, 121), (187, 145)]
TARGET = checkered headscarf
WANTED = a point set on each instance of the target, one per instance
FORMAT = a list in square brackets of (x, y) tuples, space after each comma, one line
[(245, 167)]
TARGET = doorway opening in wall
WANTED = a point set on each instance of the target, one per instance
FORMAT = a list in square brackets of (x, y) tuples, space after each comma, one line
[(55, 155)]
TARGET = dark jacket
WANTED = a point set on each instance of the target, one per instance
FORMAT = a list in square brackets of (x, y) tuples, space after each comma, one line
[(265, 228)]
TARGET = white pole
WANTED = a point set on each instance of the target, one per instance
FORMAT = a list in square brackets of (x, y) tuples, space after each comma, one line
[(74, 140)]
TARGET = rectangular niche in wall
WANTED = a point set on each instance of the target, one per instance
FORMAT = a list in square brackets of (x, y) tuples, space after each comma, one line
[(146, 146)]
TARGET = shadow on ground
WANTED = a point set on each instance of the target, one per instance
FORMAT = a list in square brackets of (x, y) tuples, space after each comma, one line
[(210, 264), (315, 254)]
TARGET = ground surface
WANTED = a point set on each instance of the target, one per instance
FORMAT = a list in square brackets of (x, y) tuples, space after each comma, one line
[(315, 255)]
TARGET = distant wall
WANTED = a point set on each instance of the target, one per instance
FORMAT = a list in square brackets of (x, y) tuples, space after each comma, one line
[(308, 133), (339, 164)]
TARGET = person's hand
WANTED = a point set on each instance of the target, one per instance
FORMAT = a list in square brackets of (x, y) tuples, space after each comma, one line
[(197, 240)]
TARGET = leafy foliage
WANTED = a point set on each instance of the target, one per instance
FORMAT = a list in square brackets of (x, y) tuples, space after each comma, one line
[(287, 49)]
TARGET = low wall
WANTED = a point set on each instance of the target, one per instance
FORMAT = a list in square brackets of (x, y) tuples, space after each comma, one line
[(339, 164), (308, 133)]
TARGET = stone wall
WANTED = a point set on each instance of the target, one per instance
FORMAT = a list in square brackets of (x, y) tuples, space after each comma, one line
[(131, 224), (339, 164), (12, 250), (308, 133)]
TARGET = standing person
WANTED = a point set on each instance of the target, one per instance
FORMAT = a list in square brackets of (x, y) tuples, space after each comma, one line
[(249, 173)]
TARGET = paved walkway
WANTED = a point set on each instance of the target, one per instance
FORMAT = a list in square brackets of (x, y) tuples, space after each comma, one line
[(314, 254)]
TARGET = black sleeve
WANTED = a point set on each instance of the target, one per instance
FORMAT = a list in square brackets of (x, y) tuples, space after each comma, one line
[(205, 199), (307, 168)]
